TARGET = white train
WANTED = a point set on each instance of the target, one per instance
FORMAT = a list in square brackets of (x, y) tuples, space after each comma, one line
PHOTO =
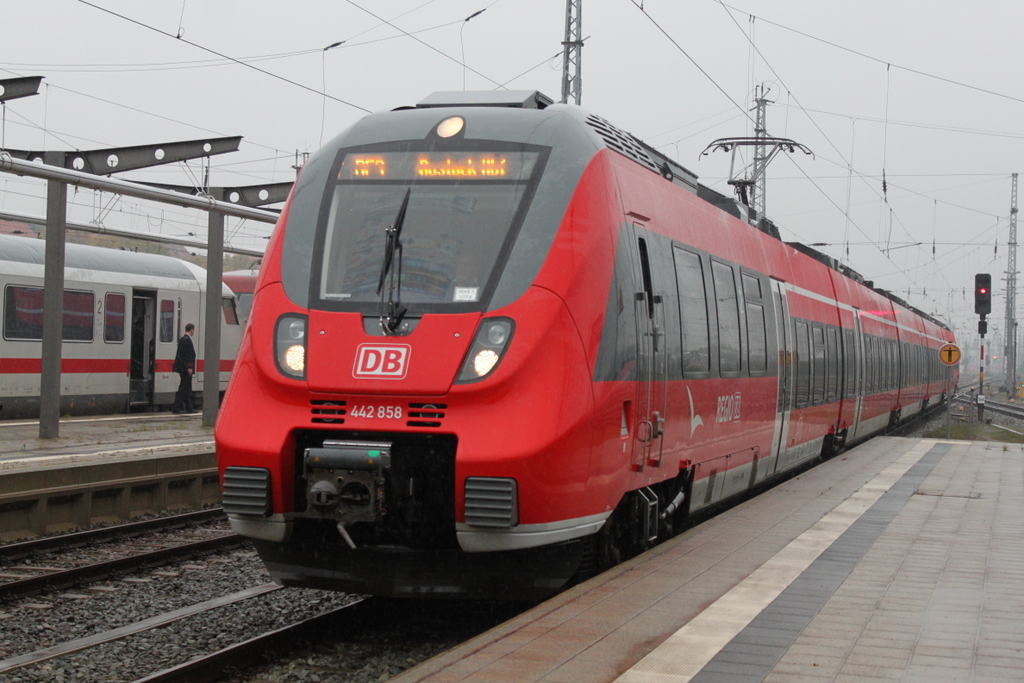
[(123, 315)]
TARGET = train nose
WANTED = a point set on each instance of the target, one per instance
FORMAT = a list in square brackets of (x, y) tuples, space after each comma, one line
[(324, 496)]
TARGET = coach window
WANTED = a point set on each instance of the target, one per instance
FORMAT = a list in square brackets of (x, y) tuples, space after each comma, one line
[(802, 366), (832, 361), (727, 303), (850, 357), (227, 304), (818, 381), (23, 313), (113, 318), (693, 312), (890, 364), (178, 335), (166, 320), (757, 338)]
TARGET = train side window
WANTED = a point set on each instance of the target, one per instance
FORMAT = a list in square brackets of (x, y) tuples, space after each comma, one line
[(166, 320), (890, 347), (113, 318), (757, 337), (850, 356), (868, 365), (802, 365), (876, 366), (78, 315), (178, 336), (727, 303), (227, 304), (818, 379), (23, 313), (832, 359), (693, 312)]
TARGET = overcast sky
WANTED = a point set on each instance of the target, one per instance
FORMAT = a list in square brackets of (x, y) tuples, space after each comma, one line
[(930, 92)]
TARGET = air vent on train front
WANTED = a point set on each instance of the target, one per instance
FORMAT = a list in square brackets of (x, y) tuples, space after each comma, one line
[(247, 491), (328, 412), (492, 502), (426, 414), (622, 142)]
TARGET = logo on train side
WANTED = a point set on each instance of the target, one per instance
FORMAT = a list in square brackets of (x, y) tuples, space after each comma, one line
[(729, 408), (379, 361)]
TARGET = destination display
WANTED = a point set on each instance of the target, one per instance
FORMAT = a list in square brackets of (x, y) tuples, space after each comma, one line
[(438, 166)]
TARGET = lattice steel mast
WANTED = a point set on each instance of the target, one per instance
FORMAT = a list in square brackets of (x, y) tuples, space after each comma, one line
[(760, 175), (572, 85), (1010, 331)]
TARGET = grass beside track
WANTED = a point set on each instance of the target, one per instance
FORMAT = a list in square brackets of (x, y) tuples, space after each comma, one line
[(980, 432)]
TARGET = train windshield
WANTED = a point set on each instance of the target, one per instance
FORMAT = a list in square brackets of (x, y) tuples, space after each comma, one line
[(462, 210)]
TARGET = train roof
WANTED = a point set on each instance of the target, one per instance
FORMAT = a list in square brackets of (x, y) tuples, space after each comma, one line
[(30, 250), (640, 152)]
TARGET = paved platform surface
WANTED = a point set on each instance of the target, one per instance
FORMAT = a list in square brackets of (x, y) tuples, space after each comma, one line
[(84, 439), (901, 560)]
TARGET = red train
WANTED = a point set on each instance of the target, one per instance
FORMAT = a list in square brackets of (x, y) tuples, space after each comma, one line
[(498, 342)]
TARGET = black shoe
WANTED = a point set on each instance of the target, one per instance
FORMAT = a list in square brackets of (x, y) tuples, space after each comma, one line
[(176, 412)]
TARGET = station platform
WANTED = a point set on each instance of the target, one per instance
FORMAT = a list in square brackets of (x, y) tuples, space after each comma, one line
[(900, 560), (103, 437), (103, 469)]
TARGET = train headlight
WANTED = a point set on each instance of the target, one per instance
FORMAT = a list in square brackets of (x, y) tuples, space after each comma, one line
[(489, 344), (290, 345)]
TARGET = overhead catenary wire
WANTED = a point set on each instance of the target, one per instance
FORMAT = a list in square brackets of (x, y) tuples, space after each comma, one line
[(421, 42), (891, 215), (878, 60), (222, 55)]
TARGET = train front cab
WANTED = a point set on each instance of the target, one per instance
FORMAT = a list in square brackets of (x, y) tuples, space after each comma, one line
[(486, 464)]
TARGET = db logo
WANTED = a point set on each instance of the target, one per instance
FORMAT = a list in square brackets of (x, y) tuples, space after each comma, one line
[(382, 362)]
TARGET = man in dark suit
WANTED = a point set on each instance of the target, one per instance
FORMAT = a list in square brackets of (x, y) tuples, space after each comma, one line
[(184, 365)]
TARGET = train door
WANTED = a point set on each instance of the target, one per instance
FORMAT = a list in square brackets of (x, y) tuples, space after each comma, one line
[(652, 385), (143, 347), (784, 403)]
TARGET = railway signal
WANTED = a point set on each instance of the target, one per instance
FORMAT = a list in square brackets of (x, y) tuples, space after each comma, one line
[(982, 306), (983, 294)]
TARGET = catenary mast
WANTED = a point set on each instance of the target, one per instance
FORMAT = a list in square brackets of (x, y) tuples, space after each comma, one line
[(1010, 330), (572, 85)]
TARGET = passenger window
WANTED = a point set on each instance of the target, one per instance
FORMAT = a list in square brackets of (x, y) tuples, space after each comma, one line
[(113, 318), (832, 361), (757, 337), (693, 312), (802, 365), (166, 320), (727, 303), (227, 305), (818, 381), (850, 356), (23, 313)]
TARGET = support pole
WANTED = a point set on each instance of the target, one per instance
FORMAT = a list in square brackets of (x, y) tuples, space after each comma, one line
[(53, 304), (981, 383), (211, 335), (949, 402), (970, 418), (572, 53)]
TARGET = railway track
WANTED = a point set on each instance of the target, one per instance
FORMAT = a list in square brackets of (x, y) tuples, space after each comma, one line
[(135, 552), (251, 652)]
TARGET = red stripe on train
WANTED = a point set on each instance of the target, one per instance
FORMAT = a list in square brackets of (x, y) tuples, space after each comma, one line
[(34, 366)]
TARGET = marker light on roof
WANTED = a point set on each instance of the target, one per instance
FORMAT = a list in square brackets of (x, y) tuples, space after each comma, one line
[(450, 126)]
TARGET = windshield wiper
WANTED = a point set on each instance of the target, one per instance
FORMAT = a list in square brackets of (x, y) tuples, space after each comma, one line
[(392, 311)]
